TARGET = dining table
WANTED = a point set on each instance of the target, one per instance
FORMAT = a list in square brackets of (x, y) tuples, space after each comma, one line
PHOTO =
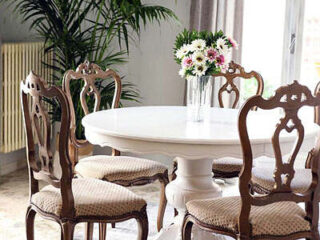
[(166, 130)]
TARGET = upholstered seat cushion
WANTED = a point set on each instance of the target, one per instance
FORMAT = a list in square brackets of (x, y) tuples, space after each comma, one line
[(281, 218), (92, 197), (264, 178), (227, 165), (115, 168)]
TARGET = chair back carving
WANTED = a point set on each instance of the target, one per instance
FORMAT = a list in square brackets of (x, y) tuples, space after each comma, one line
[(236, 71), (317, 109), (89, 73), (290, 99), (37, 128)]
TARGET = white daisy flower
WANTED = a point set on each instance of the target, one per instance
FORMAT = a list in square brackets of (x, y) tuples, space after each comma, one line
[(198, 57), (198, 44), (183, 51), (190, 77), (222, 46), (200, 70)]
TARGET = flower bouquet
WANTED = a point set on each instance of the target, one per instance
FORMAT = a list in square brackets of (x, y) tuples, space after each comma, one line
[(201, 54)]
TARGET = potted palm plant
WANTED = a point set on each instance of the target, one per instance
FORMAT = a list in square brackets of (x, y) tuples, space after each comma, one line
[(97, 30)]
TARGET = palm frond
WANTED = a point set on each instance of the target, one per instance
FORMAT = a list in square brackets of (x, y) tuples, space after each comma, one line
[(73, 35)]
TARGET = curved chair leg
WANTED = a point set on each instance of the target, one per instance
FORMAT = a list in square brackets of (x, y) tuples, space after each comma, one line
[(175, 168), (315, 235), (102, 231), (30, 223), (89, 231), (143, 226), (163, 201), (186, 229), (175, 212), (67, 230), (173, 177)]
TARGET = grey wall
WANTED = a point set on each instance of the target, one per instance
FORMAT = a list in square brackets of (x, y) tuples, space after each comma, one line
[(151, 66), (11, 29)]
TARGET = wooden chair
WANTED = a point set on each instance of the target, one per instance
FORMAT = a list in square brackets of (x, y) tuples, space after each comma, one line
[(230, 167), (262, 181), (66, 200), (122, 170), (276, 215)]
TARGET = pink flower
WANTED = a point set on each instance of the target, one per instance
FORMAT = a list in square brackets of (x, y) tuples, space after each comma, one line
[(187, 62), (220, 60), (233, 42), (211, 54), (224, 68)]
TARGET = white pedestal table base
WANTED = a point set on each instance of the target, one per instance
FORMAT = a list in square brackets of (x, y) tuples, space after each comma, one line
[(194, 181)]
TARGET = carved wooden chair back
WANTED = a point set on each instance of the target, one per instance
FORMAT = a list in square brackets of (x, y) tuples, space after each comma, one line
[(233, 72), (89, 73), (291, 99), (37, 128), (317, 109)]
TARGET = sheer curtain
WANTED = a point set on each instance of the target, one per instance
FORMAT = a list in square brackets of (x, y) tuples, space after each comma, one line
[(215, 15)]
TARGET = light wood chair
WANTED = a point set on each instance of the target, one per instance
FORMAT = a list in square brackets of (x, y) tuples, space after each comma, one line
[(262, 181), (230, 167), (122, 170), (276, 215), (66, 200)]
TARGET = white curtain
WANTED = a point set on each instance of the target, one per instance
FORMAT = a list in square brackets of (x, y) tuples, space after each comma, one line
[(215, 15)]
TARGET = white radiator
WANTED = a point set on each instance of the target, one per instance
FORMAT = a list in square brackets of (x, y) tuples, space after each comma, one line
[(17, 61)]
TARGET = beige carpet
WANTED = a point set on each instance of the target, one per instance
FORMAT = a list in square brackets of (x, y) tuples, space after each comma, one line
[(14, 199)]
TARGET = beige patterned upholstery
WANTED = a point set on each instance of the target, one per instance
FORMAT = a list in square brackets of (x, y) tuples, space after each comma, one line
[(227, 165), (92, 197), (281, 218), (115, 168), (264, 178)]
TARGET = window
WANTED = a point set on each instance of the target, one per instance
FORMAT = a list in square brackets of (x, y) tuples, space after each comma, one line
[(310, 60), (281, 40)]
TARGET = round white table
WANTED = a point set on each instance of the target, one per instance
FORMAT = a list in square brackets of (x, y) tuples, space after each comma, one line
[(165, 130)]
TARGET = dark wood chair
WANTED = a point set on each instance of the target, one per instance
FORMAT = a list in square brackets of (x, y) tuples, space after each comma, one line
[(230, 167), (262, 181), (122, 170), (276, 215), (67, 200)]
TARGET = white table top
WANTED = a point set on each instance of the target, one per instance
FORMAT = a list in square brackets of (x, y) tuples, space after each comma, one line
[(169, 124)]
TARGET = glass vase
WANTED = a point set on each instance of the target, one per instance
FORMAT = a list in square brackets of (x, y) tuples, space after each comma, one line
[(199, 91)]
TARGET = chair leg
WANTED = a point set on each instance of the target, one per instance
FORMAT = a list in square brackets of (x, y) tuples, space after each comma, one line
[(89, 231), (175, 168), (315, 236), (251, 190), (30, 223), (67, 230), (163, 201), (173, 177), (113, 225), (102, 231), (175, 212), (186, 229), (143, 226)]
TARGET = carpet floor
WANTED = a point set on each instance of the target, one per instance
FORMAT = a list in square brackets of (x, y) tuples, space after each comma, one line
[(14, 199)]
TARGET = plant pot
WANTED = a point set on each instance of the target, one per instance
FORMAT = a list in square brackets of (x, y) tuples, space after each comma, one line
[(199, 92)]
